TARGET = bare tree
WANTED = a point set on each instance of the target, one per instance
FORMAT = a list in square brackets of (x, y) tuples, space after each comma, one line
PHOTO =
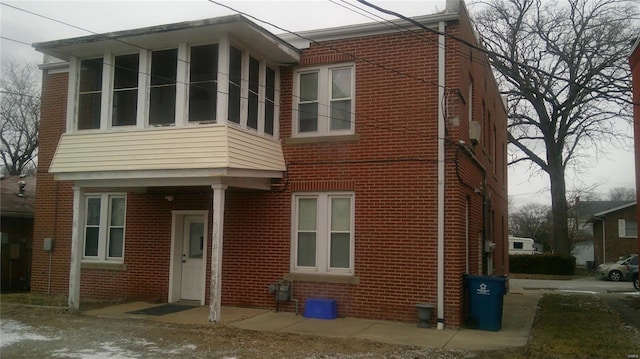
[(564, 70), (532, 220), (20, 118), (622, 194)]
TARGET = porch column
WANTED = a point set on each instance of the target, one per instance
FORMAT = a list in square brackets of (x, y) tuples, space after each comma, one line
[(76, 250), (216, 252)]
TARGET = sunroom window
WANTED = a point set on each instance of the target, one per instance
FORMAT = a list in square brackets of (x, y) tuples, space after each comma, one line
[(235, 84), (203, 83), (176, 87), (254, 88), (162, 97), (90, 94), (125, 90)]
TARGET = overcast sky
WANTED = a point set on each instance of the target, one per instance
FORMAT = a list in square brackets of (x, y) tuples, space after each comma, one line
[(52, 20)]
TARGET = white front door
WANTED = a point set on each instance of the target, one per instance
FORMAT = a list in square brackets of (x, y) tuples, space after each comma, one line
[(192, 258)]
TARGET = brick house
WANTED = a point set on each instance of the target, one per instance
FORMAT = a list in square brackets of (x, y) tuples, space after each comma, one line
[(615, 229), (634, 62), (17, 204), (206, 160)]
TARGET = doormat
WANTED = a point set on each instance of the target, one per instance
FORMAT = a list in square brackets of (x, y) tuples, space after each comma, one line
[(163, 309)]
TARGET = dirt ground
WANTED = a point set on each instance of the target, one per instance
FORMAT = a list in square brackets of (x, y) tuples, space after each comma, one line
[(39, 332)]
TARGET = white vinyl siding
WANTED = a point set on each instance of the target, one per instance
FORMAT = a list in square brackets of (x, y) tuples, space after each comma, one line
[(203, 147)]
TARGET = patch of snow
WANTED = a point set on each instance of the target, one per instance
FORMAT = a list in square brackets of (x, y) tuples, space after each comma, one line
[(12, 331)]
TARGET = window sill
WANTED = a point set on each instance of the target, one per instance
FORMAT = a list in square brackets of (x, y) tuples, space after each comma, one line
[(321, 139), (324, 278), (104, 266)]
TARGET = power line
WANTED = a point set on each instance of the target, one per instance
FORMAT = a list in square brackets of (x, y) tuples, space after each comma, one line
[(354, 115), (488, 52)]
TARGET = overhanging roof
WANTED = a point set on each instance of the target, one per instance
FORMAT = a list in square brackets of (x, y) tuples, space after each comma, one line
[(157, 37)]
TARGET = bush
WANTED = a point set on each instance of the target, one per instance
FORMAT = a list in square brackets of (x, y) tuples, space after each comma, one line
[(542, 264)]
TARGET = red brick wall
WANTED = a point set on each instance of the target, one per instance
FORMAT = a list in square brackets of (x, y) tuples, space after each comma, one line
[(615, 247), (391, 168)]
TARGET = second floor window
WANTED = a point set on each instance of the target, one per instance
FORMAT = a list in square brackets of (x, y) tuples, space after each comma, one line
[(90, 94), (162, 96), (125, 90), (324, 101), (203, 83), (176, 87)]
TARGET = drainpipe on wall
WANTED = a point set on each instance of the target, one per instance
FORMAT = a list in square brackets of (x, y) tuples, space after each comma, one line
[(441, 134), (604, 255)]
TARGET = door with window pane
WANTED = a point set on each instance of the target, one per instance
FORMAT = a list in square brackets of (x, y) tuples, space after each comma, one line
[(192, 258)]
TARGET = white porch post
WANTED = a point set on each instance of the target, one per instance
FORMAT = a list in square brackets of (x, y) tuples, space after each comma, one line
[(216, 252), (76, 250)]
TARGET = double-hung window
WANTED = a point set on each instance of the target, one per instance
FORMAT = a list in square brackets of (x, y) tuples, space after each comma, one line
[(322, 232), (627, 229), (104, 227), (90, 94), (203, 83), (324, 101), (125, 90), (162, 93)]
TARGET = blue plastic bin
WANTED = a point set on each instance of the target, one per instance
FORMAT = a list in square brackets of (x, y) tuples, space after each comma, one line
[(486, 296), (321, 308)]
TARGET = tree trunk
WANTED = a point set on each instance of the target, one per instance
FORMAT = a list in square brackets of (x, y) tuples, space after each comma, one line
[(559, 209)]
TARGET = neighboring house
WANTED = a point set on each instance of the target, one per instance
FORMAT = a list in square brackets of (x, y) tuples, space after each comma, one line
[(615, 229), (583, 252), (17, 203), (207, 160), (634, 62)]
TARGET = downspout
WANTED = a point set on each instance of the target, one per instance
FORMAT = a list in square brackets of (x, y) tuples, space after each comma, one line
[(441, 134), (604, 256)]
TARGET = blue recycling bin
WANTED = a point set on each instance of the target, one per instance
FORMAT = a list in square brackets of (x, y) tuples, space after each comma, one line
[(485, 296)]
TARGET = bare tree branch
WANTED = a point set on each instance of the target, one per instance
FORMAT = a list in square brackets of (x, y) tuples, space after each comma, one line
[(19, 118), (563, 67)]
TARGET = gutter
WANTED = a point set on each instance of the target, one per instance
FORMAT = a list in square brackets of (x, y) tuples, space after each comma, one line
[(441, 134)]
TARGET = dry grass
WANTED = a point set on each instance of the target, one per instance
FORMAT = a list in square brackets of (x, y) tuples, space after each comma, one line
[(575, 327)]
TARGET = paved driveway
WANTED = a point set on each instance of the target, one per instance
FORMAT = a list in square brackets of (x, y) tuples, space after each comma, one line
[(587, 285)]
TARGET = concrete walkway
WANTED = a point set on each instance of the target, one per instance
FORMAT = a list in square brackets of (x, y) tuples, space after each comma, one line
[(519, 310)]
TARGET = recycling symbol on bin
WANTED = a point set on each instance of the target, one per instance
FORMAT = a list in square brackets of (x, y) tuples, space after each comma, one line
[(483, 290)]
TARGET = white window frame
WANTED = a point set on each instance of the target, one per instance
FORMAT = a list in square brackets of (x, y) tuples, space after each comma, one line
[(323, 233), (622, 229), (182, 93), (103, 227), (324, 100)]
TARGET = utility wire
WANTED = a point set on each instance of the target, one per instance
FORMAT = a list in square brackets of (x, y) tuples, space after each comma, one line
[(488, 52)]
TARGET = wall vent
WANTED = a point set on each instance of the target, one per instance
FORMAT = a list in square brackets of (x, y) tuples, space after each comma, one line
[(475, 131)]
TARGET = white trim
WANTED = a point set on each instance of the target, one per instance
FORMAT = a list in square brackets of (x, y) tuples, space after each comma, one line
[(622, 232), (323, 100), (72, 94), (144, 81), (103, 227), (108, 65), (600, 214), (182, 80), (323, 233), (222, 107), (177, 221)]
